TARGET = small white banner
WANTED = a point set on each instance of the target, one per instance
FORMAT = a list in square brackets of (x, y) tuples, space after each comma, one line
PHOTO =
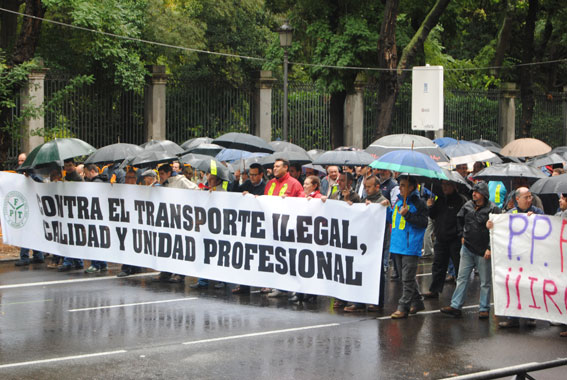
[(529, 268), (292, 244)]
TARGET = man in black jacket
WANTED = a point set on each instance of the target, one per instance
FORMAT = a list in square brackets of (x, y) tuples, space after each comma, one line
[(475, 251), (447, 240)]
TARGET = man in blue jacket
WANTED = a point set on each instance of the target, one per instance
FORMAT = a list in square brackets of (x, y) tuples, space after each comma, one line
[(409, 220)]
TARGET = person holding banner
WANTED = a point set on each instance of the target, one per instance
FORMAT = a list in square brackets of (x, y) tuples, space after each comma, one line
[(523, 201), (345, 192), (329, 184), (374, 195), (92, 175), (475, 250), (282, 185), (409, 221), (71, 175), (168, 179), (127, 270)]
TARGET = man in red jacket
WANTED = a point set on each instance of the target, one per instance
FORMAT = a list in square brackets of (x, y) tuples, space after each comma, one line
[(283, 184)]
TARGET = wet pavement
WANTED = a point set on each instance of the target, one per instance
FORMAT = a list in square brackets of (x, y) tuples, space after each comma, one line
[(77, 326)]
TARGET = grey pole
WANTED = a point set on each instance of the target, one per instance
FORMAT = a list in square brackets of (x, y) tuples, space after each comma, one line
[(285, 96)]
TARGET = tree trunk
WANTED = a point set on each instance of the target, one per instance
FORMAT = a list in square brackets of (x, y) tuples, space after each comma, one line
[(390, 83), (337, 118), (504, 37), (26, 44), (8, 24), (387, 59), (526, 72), (24, 50)]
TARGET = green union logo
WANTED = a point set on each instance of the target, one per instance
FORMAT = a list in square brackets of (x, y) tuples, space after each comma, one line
[(16, 209)]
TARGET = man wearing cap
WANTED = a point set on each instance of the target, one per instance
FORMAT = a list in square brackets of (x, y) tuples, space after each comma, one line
[(475, 250), (409, 220)]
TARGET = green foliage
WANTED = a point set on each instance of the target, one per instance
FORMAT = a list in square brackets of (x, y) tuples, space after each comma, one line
[(113, 59)]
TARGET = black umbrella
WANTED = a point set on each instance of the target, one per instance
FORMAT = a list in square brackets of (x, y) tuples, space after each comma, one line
[(405, 141), (56, 152), (344, 158), (489, 145), (508, 171), (550, 185), (294, 158), (285, 146), (314, 153), (114, 153), (191, 158), (215, 167), (546, 159), (196, 141), (148, 159), (243, 141), (206, 149), (164, 146)]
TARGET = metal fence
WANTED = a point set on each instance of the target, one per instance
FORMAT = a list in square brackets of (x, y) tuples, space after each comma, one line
[(309, 115), (548, 120), (197, 109), (99, 114)]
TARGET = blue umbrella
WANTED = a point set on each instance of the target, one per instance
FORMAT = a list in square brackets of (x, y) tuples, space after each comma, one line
[(229, 155), (411, 162), (444, 141), (464, 152)]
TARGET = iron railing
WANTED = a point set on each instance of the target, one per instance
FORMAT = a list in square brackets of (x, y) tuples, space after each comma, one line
[(197, 109), (520, 371)]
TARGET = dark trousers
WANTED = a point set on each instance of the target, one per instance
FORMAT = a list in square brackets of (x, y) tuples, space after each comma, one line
[(444, 250)]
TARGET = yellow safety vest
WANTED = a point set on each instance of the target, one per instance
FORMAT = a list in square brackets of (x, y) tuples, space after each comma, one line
[(273, 187), (402, 220)]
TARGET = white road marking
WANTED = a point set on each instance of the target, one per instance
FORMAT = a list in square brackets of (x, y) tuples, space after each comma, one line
[(133, 304), (432, 312), (47, 283), (261, 333), (75, 357), (423, 274)]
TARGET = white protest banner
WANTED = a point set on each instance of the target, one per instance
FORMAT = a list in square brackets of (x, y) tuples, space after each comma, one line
[(293, 244), (529, 273)]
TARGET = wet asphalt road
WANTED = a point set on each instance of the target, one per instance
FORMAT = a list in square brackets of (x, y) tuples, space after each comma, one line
[(78, 326)]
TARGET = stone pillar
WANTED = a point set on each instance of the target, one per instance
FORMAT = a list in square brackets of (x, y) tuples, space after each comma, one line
[(263, 105), (32, 94), (507, 112), (154, 107), (564, 103), (354, 116)]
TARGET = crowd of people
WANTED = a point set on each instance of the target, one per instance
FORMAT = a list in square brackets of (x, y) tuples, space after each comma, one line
[(452, 221)]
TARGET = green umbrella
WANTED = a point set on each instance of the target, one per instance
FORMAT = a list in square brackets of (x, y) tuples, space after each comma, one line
[(56, 151)]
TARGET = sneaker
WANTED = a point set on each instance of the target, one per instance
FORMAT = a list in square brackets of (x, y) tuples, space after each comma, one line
[(451, 311), (92, 269), (220, 285), (37, 260), (52, 266), (103, 269), (22, 263), (277, 293), (563, 334), (198, 286), (123, 274), (64, 267)]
